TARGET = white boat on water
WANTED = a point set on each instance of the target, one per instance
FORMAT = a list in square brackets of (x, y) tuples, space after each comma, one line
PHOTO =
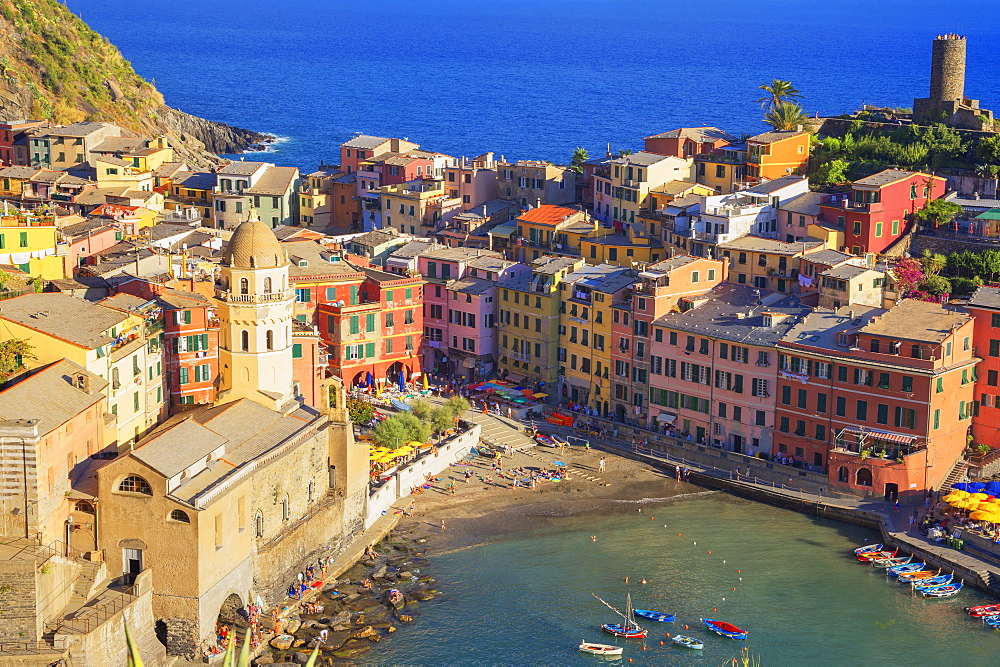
[(600, 649)]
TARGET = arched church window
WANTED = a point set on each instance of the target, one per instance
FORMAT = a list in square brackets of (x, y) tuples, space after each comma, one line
[(244, 286), (267, 285), (245, 336)]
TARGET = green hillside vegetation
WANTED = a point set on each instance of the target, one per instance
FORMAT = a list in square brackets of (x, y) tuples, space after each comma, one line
[(863, 151), (72, 72)]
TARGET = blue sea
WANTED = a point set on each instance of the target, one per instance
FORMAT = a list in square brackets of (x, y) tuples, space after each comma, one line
[(530, 79)]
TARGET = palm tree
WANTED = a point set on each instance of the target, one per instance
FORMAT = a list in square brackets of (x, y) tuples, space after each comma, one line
[(785, 116), (580, 155), (778, 91)]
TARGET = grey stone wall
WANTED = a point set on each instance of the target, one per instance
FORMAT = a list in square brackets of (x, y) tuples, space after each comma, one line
[(18, 589)]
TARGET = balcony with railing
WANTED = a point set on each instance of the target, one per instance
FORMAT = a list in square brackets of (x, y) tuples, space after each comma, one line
[(272, 297), (875, 444)]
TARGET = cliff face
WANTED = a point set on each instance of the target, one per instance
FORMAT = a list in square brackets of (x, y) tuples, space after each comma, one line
[(53, 66)]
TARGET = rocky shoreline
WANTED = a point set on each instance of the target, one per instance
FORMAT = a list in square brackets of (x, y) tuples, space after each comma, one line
[(354, 617)]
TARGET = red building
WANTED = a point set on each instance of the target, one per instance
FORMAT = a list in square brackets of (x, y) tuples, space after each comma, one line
[(190, 341), (687, 142), (879, 210), (375, 326), (985, 308), (882, 401)]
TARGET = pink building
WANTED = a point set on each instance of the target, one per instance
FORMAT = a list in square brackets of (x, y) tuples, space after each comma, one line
[(720, 366), (88, 238), (473, 181), (460, 309), (662, 286), (796, 214)]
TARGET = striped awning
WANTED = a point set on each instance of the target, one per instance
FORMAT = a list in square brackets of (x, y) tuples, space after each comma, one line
[(884, 436)]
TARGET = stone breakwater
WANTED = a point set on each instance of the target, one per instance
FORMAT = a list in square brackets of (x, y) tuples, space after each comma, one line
[(355, 617)]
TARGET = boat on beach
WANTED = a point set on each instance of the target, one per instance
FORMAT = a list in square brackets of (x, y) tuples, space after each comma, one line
[(687, 642), (545, 440), (653, 615), (724, 629), (627, 630), (600, 649)]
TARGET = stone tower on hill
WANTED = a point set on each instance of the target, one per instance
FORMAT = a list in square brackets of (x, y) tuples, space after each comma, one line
[(947, 102)]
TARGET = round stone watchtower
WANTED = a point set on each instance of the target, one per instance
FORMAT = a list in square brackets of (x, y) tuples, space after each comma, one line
[(948, 68)]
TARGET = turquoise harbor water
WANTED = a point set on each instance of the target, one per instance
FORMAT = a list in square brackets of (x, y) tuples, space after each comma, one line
[(803, 598)]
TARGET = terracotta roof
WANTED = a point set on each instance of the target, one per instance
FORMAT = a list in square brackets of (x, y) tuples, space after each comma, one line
[(886, 176), (548, 214), (63, 316), (697, 133)]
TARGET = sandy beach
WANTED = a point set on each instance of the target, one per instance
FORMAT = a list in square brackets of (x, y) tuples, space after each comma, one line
[(481, 512)]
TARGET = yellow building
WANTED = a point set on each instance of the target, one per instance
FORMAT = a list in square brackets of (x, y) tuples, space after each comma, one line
[(121, 346), (629, 248), (585, 332), (13, 180), (767, 263), (315, 203), (30, 243), (528, 321), (724, 171), (550, 230), (114, 172), (415, 206), (633, 176)]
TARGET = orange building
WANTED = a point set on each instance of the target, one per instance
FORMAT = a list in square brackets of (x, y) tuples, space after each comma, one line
[(985, 308), (882, 401), (777, 153)]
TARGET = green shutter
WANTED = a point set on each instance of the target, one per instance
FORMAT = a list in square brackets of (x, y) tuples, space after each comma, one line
[(204, 341), (388, 295), (354, 295), (331, 293), (296, 350), (409, 292), (183, 375), (370, 322), (187, 317), (355, 328), (369, 350), (388, 345)]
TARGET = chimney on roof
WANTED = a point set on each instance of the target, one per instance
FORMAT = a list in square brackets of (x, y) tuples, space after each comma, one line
[(83, 382), (538, 202)]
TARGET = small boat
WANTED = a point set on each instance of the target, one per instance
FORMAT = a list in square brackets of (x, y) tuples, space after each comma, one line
[(627, 630), (545, 440), (983, 610), (903, 569), (687, 642), (724, 629), (654, 615), (600, 649), (920, 575), (870, 547), (891, 562), (992, 621), (939, 580), (876, 555), (945, 591)]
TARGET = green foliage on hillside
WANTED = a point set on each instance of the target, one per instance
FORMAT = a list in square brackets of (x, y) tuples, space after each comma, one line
[(70, 69)]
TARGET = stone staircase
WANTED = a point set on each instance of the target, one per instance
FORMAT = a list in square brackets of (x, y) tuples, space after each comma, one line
[(956, 475)]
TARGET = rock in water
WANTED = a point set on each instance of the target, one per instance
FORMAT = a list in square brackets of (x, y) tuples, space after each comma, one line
[(403, 618), (366, 632), (349, 653), (282, 642)]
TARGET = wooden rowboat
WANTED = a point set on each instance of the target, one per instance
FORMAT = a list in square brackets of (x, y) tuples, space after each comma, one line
[(876, 555), (903, 569), (910, 577), (654, 615), (945, 591), (869, 547), (983, 610), (939, 580), (545, 440), (687, 642), (625, 631), (600, 649), (891, 562), (724, 629)]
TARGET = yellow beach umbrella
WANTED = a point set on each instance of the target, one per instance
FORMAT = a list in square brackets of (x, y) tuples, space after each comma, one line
[(961, 494), (980, 515), (385, 458), (951, 498), (415, 444), (980, 496)]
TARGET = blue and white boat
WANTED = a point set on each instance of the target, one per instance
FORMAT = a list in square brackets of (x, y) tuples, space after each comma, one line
[(654, 615), (902, 569), (939, 580)]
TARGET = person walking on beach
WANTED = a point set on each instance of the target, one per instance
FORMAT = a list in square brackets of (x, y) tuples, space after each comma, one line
[(442, 525), (601, 465), (451, 488)]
